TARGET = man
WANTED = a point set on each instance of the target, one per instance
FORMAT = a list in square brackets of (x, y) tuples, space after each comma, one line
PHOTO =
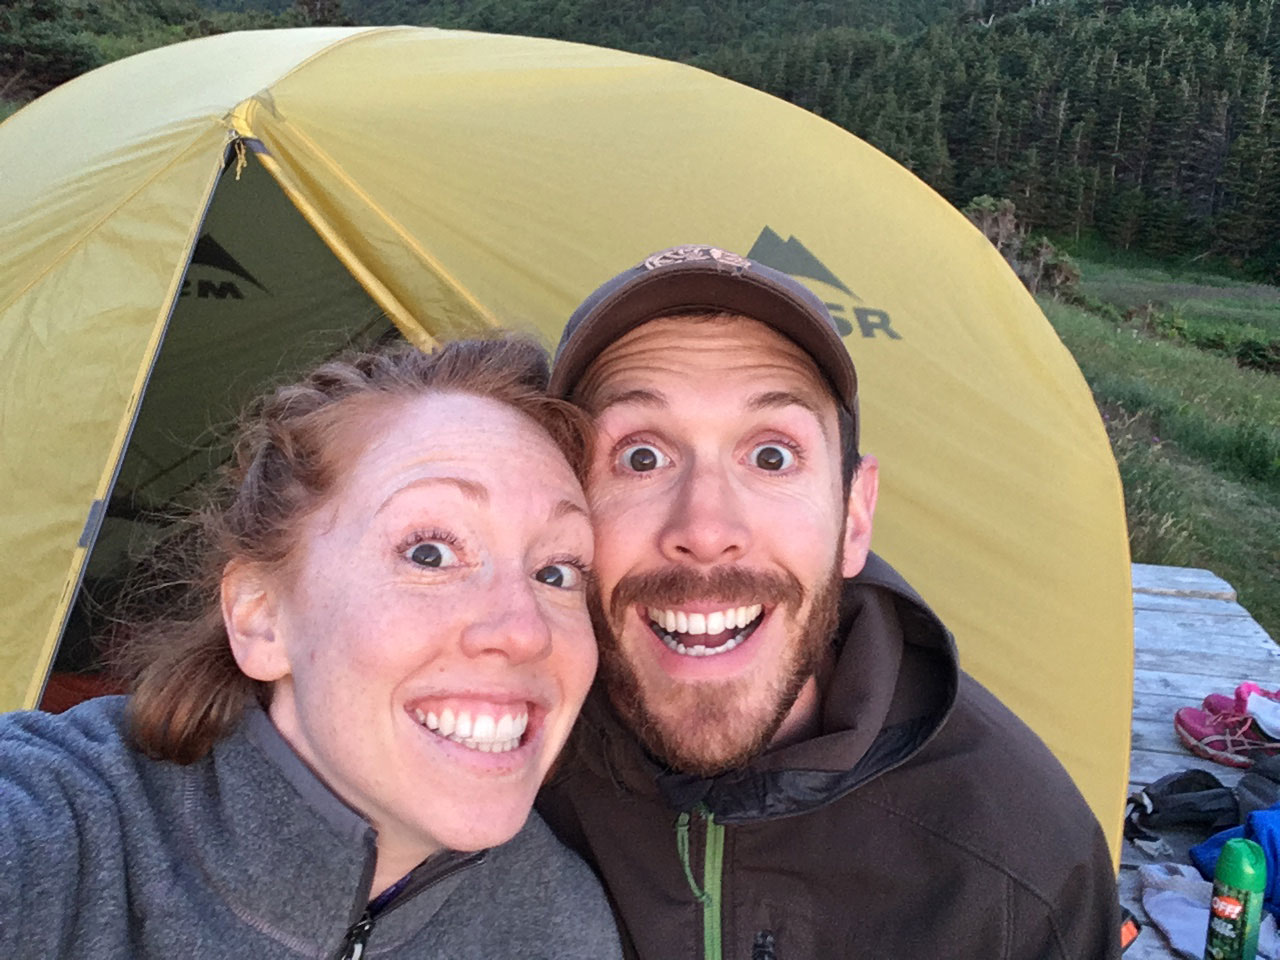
[(782, 759)]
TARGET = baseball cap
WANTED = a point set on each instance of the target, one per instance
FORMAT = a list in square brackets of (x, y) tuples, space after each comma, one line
[(695, 278)]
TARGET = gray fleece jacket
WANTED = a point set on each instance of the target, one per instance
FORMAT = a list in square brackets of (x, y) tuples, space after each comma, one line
[(105, 853)]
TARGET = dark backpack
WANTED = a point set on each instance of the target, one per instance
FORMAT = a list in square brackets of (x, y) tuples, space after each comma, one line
[(1197, 800)]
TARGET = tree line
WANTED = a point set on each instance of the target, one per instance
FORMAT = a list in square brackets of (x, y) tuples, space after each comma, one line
[(1150, 123), (1153, 124), (47, 42)]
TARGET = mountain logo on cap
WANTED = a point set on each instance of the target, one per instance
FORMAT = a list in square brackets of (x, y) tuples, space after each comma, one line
[(793, 257), (692, 253)]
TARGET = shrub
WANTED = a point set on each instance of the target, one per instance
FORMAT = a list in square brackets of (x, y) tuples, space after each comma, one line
[(1259, 355), (1037, 261)]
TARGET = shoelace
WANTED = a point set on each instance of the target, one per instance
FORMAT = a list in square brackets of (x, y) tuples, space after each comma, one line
[(1236, 735)]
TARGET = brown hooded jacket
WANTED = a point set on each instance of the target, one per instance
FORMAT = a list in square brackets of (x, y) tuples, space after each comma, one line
[(924, 821)]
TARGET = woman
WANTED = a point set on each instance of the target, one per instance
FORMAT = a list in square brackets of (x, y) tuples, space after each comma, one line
[(334, 740)]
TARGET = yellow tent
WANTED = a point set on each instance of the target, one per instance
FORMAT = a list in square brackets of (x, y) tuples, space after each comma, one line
[(180, 225)]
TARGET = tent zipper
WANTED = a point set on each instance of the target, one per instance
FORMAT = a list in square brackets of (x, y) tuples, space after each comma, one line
[(709, 894)]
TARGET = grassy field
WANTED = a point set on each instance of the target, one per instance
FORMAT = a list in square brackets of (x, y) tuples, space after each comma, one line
[(1196, 433), (1232, 318)]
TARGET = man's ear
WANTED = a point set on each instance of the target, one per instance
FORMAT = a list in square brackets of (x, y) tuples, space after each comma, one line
[(250, 613), (860, 509)]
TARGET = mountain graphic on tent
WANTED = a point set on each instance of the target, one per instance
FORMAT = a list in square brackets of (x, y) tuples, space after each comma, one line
[(210, 253), (793, 257)]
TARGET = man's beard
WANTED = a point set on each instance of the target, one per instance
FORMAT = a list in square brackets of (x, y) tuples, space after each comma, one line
[(708, 727)]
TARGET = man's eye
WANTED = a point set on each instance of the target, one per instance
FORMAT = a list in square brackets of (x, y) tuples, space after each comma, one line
[(772, 456), (563, 575), (432, 553), (641, 458)]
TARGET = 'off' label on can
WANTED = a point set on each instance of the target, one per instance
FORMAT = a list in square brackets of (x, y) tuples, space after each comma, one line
[(1228, 911), (1228, 908)]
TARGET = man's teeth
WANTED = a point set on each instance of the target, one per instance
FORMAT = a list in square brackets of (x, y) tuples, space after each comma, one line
[(483, 732), (673, 622), (696, 624)]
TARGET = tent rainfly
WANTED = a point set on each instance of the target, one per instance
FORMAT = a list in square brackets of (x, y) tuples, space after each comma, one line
[(179, 226)]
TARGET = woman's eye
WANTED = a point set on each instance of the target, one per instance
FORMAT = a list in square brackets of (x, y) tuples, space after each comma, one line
[(641, 458), (772, 456), (563, 575), (432, 553)]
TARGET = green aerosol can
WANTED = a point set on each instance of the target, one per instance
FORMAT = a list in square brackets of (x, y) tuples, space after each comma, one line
[(1235, 912)]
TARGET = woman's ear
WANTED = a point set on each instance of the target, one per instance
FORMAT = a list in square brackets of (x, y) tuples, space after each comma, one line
[(250, 612)]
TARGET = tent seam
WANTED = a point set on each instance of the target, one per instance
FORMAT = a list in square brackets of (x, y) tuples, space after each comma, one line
[(411, 242), (111, 212), (382, 296), (407, 238), (356, 35)]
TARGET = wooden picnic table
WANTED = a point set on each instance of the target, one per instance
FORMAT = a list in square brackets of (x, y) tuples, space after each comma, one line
[(1191, 638)]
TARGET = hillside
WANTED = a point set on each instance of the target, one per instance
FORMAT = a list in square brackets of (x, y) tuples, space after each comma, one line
[(1151, 123), (676, 29)]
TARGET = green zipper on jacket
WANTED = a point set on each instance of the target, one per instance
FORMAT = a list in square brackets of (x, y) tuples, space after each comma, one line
[(712, 869)]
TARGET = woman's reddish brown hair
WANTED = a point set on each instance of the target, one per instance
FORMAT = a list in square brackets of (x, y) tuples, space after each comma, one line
[(187, 689)]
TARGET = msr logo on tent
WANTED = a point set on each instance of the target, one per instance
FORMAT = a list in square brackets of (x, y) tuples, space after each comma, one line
[(793, 257), (210, 254)]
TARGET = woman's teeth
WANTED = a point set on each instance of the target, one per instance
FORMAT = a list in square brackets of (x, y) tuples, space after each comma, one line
[(485, 732), (674, 627)]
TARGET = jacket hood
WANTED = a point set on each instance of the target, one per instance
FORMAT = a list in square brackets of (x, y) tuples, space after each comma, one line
[(894, 682)]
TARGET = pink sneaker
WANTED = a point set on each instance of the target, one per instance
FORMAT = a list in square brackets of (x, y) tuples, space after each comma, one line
[(1229, 738)]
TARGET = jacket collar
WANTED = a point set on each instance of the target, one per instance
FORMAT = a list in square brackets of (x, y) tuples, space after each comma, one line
[(894, 683), (286, 854)]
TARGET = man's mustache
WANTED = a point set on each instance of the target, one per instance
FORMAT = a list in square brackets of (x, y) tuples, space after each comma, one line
[(674, 586)]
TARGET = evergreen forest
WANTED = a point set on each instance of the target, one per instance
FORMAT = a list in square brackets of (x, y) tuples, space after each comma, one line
[(1151, 124)]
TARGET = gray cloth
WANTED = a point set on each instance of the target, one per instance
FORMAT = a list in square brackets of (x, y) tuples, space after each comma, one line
[(1176, 898), (105, 853)]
